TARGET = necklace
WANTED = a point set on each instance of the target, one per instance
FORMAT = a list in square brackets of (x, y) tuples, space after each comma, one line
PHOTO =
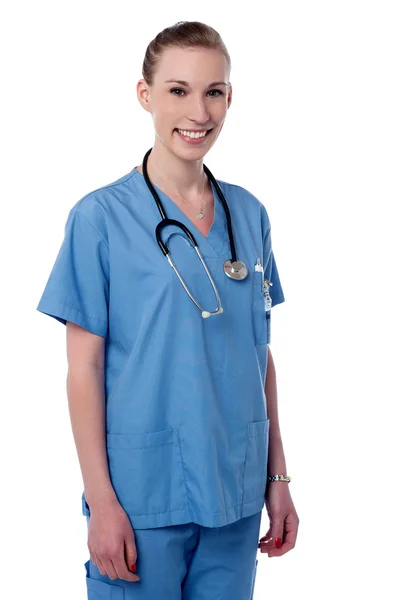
[(200, 213)]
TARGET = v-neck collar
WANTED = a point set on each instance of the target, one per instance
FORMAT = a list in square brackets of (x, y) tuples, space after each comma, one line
[(217, 235)]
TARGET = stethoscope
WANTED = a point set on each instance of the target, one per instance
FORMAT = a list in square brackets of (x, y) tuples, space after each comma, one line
[(233, 268)]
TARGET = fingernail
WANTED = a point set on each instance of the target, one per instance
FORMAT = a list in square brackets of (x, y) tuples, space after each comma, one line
[(133, 568), (277, 542)]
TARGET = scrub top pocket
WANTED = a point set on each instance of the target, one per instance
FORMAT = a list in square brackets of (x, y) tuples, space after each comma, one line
[(146, 472), (255, 470), (260, 317)]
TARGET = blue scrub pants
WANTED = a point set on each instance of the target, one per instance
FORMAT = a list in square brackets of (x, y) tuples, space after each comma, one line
[(187, 562)]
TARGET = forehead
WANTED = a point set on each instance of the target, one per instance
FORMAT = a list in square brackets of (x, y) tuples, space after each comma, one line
[(191, 63)]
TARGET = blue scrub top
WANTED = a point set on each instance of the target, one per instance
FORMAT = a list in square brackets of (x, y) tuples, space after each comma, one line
[(187, 430)]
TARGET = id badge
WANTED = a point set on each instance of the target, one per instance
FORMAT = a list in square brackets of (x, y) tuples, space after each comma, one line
[(265, 286)]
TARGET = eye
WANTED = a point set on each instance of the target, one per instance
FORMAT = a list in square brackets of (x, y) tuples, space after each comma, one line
[(176, 90)]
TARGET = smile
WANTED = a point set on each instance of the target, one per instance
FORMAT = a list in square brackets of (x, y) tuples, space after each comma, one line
[(193, 134), (193, 138)]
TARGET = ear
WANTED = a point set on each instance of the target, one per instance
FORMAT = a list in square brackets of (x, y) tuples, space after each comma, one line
[(230, 96), (144, 95)]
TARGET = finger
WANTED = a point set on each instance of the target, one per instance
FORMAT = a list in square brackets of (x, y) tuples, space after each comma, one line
[(266, 538), (130, 553), (290, 530), (278, 532), (99, 564), (94, 558), (266, 543), (122, 570), (110, 569), (270, 541), (286, 547)]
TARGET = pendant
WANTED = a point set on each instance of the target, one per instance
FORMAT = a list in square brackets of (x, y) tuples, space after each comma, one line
[(200, 215)]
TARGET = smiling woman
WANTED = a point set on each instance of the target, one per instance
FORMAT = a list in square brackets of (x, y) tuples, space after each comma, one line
[(186, 89), (173, 428)]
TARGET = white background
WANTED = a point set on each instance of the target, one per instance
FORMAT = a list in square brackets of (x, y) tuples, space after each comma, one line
[(313, 133)]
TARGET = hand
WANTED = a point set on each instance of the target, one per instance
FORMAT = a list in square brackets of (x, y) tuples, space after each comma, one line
[(111, 541), (283, 518)]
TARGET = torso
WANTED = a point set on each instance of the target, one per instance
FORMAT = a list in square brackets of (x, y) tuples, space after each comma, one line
[(180, 388), (203, 225)]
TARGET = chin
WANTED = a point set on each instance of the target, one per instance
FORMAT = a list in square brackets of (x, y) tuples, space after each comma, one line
[(189, 154)]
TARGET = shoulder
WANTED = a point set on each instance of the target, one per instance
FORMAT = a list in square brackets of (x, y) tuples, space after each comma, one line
[(246, 200), (95, 207)]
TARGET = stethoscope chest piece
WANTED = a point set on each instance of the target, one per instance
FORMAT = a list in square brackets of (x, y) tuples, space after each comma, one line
[(235, 270)]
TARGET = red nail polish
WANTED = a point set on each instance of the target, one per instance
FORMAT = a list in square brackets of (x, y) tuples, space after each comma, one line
[(277, 542), (133, 568)]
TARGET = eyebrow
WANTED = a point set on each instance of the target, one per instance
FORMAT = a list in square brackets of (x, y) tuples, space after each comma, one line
[(188, 85)]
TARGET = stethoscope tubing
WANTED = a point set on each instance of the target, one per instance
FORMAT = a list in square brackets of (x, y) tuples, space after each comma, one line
[(233, 268), (165, 221)]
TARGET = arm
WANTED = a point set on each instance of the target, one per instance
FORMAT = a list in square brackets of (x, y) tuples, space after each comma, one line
[(86, 399), (111, 539), (282, 533), (276, 461)]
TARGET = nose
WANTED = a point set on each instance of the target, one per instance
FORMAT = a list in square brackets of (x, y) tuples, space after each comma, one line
[(198, 110)]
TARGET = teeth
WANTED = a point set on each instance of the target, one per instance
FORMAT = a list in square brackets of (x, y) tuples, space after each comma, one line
[(192, 134)]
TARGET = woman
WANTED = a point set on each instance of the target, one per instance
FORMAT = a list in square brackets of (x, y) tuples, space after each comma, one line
[(174, 419)]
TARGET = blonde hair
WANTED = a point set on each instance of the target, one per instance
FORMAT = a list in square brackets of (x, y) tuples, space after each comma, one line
[(183, 34)]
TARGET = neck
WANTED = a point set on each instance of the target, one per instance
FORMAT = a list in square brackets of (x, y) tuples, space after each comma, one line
[(185, 176)]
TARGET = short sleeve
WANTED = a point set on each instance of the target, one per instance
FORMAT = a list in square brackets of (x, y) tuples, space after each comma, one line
[(271, 273), (276, 290), (78, 286)]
